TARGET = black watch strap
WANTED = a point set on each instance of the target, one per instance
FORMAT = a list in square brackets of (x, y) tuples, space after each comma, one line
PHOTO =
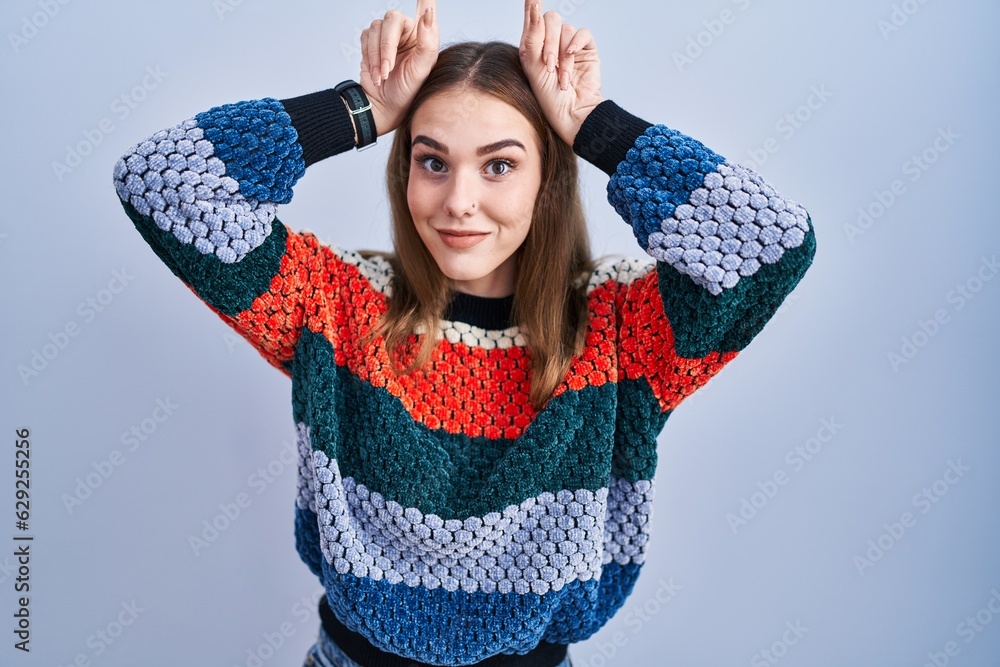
[(361, 112)]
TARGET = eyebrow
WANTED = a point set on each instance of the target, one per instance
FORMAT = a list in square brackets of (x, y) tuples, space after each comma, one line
[(482, 150)]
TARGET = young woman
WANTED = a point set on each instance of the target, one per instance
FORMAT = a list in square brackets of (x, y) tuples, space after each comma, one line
[(477, 412)]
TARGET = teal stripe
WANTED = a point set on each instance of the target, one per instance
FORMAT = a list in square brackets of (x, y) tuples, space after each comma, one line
[(376, 441), (639, 420), (703, 323), (229, 288)]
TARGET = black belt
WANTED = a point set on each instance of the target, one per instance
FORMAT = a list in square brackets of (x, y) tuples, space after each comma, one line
[(363, 652)]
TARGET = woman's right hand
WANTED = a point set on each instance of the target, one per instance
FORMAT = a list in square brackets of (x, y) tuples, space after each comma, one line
[(397, 54)]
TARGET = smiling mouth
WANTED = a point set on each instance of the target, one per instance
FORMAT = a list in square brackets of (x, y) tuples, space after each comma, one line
[(461, 240)]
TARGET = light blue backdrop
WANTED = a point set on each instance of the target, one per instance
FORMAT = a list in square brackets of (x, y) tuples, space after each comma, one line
[(873, 383)]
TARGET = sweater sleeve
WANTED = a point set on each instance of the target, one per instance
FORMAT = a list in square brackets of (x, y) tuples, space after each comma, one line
[(203, 194), (728, 249)]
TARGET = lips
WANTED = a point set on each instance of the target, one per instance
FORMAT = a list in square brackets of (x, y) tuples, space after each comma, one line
[(461, 232), (461, 240)]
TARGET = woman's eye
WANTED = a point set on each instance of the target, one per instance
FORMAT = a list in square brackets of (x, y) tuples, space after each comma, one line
[(435, 166), (505, 168), (428, 163)]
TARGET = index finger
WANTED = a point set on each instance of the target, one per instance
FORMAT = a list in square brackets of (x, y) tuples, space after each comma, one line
[(423, 6), (533, 32)]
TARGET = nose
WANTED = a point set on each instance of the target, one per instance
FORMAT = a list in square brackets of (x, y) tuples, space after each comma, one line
[(462, 195)]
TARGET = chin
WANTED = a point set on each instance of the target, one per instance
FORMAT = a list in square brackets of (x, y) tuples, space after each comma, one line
[(461, 273)]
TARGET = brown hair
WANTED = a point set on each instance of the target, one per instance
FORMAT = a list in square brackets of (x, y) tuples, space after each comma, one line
[(554, 262)]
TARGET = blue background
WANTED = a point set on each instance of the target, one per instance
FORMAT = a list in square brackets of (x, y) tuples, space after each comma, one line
[(887, 96)]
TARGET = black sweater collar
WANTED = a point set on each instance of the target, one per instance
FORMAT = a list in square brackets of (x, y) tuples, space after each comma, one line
[(484, 312)]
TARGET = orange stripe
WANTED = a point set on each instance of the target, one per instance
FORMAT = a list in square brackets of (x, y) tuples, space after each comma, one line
[(463, 389), (647, 335), (271, 324)]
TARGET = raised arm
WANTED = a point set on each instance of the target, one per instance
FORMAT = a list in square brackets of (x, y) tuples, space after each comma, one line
[(204, 192), (728, 247)]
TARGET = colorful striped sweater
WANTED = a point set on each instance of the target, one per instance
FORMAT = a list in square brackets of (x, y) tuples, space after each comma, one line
[(447, 520)]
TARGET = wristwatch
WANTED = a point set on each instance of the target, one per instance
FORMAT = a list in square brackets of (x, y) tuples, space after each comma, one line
[(361, 112)]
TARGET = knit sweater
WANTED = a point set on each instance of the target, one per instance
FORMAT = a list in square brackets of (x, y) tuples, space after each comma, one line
[(447, 519)]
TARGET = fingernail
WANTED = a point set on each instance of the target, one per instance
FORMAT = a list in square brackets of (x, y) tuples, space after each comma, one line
[(551, 64)]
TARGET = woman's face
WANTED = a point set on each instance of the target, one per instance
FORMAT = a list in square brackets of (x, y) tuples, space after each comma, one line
[(475, 170)]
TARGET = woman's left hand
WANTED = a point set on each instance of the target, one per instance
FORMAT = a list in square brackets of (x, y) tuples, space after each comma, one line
[(562, 65)]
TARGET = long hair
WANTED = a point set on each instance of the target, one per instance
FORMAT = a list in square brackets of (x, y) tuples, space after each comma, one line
[(553, 263)]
